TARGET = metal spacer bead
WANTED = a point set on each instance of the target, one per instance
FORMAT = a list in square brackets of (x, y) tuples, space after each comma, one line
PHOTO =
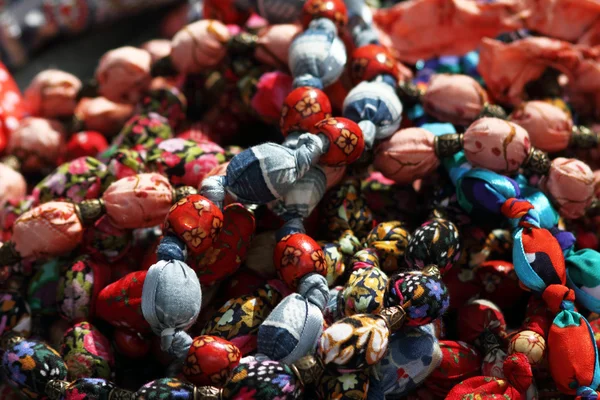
[(243, 43), (207, 393), (89, 211), (56, 389), (432, 270), (583, 138), (183, 192), (8, 254), (308, 370), (537, 161), (447, 145), (493, 111), (394, 318)]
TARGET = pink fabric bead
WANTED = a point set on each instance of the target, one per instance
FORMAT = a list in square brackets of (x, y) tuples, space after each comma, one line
[(38, 143), (408, 155), (199, 46), (570, 183), (123, 74), (102, 115), (548, 126), (48, 230), (334, 175), (139, 201), (271, 91), (457, 99), (495, 144), (12, 185), (597, 183), (52, 93), (158, 48), (274, 43)]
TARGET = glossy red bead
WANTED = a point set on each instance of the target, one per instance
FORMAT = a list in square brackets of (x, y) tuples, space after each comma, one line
[(346, 142), (210, 360), (224, 11), (296, 256), (228, 252), (131, 344), (371, 60), (302, 109), (334, 10), (196, 221)]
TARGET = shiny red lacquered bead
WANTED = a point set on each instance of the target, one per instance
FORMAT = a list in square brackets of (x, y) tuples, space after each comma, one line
[(196, 221), (302, 109), (334, 10), (131, 344), (371, 60), (224, 11), (296, 256), (345, 138), (210, 360)]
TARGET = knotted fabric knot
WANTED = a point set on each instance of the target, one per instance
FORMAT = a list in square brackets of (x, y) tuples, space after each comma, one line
[(313, 287), (559, 297), (517, 371)]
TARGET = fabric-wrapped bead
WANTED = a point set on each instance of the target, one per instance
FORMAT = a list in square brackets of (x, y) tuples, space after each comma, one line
[(298, 255), (123, 74), (165, 389), (317, 56), (334, 261), (408, 155), (279, 11), (302, 109), (413, 354), (56, 226), (52, 94), (354, 343), (271, 91), (346, 386), (460, 361), (79, 287), (549, 127), (436, 242), (37, 143), (570, 184), (144, 132), (479, 316), (210, 361), (346, 142), (390, 241), (76, 180), (123, 163), (500, 283), (303, 197), (12, 185), (226, 11), (495, 144), (262, 380), (106, 242), (455, 98), (185, 162), (29, 365), (168, 101), (42, 288), (158, 48), (91, 388), (87, 352), (199, 46), (273, 44), (334, 10), (102, 115), (196, 221), (423, 297), (375, 102), (15, 314), (85, 144), (139, 201), (364, 291)]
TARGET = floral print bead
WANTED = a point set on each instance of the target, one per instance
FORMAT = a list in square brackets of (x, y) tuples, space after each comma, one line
[(89, 389), (143, 132), (167, 101), (364, 292), (165, 389), (348, 386), (105, 242), (258, 380), (15, 314), (435, 243), (87, 352), (390, 241)]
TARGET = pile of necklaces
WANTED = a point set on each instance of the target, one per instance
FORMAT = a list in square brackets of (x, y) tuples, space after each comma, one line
[(320, 199)]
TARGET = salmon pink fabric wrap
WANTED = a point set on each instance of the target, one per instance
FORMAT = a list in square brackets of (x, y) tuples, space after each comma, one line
[(199, 46), (38, 143), (52, 94), (457, 99), (408, 155), (158, 48), (48, 230), (549, 127), (139, 201), (495, 144), (123, 74), (274, 43), (12, 185), (570, 183), (422, 29), (102, 115)]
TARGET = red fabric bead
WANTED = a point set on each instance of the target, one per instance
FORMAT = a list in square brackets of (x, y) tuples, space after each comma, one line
[(130, 344), (499, 283), (210, 361), (196, 221), (345, 138), (371, 60), (225, 11), (459, 362), (85, 144), (518, 371), (11, 105), (477, 317), (296, 256), (302, 109), (229, 250), (334, 10)]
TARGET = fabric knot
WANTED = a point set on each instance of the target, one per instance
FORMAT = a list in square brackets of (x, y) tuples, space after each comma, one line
[(313, 287), (175, 341), (517, 371), (559, 297), (291, 226), (515, 208), (171, 248), (307, 80), (586, 393), (213, 188)]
